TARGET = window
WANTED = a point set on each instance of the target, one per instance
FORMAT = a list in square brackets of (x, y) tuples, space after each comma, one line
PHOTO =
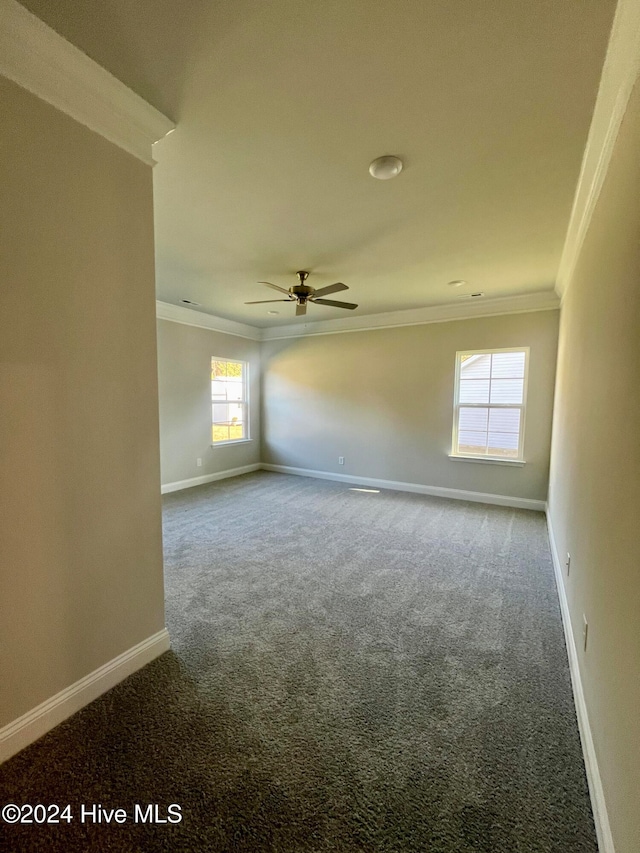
[(229, 401), (489, 404)]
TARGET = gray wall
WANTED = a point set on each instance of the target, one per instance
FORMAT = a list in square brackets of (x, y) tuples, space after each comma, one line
[(383, 399), (184, 380), (594, 494), (80, 525)]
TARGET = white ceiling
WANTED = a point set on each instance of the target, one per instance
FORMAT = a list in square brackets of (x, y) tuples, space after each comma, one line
[(281, 105)]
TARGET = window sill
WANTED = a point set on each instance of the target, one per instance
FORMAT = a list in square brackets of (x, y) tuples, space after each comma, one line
[(488, 460), (233, 441)]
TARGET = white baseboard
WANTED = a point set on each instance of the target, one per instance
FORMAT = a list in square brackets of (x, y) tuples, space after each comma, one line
[(598, 802), (209, 478), (419, 488), (32, 725)]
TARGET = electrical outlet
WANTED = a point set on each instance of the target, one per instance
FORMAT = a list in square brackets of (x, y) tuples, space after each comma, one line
[(199, 462), (568, 563), (340, 460), (585, 632)]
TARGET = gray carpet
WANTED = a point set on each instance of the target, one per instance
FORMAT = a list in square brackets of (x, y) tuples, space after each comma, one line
[(349, 672)]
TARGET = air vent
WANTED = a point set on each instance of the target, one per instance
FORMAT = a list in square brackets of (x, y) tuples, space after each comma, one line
[(189, 302)]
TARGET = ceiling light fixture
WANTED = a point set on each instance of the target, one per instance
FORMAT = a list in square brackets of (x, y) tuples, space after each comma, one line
[(457, 283), (273, 312), (385, 167)]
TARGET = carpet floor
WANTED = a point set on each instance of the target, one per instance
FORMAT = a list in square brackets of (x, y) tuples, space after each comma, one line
[(350, 671)]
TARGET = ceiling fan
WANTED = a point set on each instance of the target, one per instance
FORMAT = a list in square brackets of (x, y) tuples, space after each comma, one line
[(302, 294)]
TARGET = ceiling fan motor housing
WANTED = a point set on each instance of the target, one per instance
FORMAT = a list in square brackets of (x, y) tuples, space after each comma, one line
[(302, 291)]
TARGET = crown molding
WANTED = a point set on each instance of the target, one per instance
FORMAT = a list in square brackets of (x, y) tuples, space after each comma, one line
[(35, 57), (546, 300), (189, 317), (619, 74)]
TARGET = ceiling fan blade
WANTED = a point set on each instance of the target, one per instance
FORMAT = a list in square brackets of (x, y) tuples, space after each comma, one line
[(335, 304), (264, 301), (332, 288), (274, 286), (301, 308)]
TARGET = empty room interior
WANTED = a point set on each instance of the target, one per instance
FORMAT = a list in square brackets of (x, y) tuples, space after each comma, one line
[(320, 434)]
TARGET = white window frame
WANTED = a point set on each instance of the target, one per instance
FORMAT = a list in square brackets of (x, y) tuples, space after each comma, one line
[(481, 457), (245, 402)]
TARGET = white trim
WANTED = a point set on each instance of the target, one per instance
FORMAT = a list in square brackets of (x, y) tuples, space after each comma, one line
[(209, 478), (598, 802), (37, 722), (619, 74), (488, 460), (546, 300), (189, 317), (35, 57), (418, 488)]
